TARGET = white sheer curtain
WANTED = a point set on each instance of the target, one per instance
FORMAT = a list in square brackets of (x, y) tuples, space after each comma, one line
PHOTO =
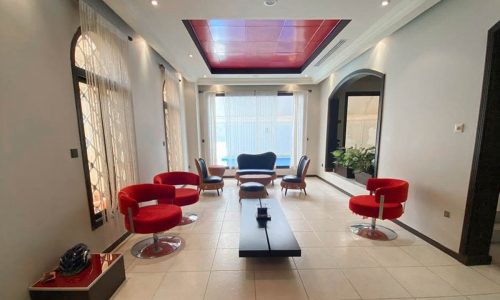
[(103, 50), (173, 121), (256, 122), (299, 127)]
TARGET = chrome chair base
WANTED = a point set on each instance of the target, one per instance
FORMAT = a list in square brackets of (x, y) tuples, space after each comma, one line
[(156, 246), (377, 232), (188, 218)]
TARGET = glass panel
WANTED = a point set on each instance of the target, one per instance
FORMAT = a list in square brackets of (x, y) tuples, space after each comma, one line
[(96, 151), (254, 124), (361, 124)]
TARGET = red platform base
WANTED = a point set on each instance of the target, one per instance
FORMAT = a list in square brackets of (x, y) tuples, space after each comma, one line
[(97, 282)]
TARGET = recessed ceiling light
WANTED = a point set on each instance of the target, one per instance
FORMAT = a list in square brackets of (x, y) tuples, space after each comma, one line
[(204, 76), (270, 2), (154, 2), (191, 55), (306, 75), (385, 2)]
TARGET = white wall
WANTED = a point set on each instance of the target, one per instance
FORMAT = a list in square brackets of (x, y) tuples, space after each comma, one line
[(312, 112), (43, 202), (192, 136), (434, 68)]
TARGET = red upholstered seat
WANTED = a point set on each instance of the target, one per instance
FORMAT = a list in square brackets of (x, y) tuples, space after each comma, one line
[(156, 218), (183, 195), (385, 201), (186, 196), (153, 219), (148, 219), (366, 205)]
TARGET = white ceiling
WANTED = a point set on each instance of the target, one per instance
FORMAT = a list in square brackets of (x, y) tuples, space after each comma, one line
[(163, 29)]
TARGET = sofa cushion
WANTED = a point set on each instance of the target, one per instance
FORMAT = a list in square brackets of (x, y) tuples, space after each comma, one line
[(292, 178), (264, 161), (252, 187), (255, 171), (212, 179)]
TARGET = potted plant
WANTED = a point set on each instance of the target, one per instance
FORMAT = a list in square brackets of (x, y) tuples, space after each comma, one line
[(344, 163), (363, 168)]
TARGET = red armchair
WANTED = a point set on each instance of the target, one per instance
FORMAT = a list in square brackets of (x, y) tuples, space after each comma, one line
[(150, 219), (183, 195), (386, 201)]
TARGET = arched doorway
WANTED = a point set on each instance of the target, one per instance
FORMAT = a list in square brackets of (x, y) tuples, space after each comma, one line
[(364, 82)]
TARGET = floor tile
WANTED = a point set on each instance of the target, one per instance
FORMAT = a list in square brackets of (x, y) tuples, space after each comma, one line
[(229, 240), (277, 285), (421, 282), (138, 286), (200, 241), (327, 284), (229, 260), (193, 260), (352, 257), (485, 297), (429, 255), (314, 258), (466, 280), (392, 257), (299, 225), (308, 239), (374, 283), (492, 272), (336, 238), (182, 285), (230, 285)]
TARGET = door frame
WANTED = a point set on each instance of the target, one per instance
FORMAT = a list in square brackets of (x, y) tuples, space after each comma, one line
[(484, 184)]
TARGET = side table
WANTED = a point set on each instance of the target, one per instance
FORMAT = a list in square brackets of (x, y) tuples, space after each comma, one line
[(217, 170), (98, 281)]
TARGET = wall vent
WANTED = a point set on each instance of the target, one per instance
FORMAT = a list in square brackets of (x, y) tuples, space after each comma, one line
[(329, 53)]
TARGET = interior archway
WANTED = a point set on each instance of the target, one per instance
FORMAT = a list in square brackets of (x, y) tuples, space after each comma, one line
[(361, 82)]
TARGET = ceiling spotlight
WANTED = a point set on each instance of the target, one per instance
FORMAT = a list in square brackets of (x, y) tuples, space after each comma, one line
[(154, 2), (204, 76), (190, 55), (306, 75), (270, 2), (385, 2)]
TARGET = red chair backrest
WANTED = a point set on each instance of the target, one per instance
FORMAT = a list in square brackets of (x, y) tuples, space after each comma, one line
[(393, 190), (177, 178), (132, 195)]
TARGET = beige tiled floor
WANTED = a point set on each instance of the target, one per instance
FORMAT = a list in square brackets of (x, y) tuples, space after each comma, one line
[(335, 264)]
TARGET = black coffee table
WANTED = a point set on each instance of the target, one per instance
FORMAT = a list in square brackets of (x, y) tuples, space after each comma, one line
[(263, 239)]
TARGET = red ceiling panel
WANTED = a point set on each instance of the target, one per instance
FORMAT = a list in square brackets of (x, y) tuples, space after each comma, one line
[(242, 46)]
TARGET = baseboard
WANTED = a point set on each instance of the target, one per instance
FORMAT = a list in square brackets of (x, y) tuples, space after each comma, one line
[(466, 260), (115, 244), (335, 186)]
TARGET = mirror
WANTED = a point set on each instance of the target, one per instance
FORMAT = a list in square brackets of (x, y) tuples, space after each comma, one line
[(355, 115)]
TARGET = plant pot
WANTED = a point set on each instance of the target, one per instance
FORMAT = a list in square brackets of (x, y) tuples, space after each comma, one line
[(343, 171), (362, 177)]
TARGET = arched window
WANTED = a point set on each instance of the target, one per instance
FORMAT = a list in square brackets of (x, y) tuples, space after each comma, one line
[(105, 119), (91, 128)]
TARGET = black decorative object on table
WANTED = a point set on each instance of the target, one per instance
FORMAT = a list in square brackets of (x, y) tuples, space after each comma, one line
[(74, 260), (266, 238)]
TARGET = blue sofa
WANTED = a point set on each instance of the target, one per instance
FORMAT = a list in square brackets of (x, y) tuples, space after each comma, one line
[(253, 164)]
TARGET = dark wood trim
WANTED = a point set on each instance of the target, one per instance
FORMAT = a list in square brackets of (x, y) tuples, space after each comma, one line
[(255, 70), (335, 31), (190, 29), (115, 244), (340, 26), (429, 240), (345, 82), (484, 183), (96, 220)]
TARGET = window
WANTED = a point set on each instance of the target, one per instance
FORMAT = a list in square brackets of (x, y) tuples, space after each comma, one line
[(104, 120), (257, 123), (173, 120), (361, 121)]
